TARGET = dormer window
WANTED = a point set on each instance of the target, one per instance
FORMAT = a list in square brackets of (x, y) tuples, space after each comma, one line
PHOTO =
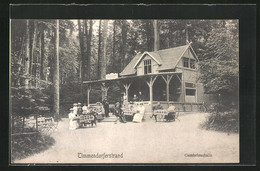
[(186, 62), (147, 66), (192, 63), (189, 63)]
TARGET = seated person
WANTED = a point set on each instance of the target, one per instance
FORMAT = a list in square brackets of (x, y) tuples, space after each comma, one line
[(157, 107), (139, 113), (99, 108), (118, 113), (171, 113)]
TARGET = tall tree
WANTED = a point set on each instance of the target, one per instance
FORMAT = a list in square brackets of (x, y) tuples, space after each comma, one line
[(148, 32), (56, 79), (82, 53), (42, 55), (89, 40), (156, 35), (123, 45), (34, 37), (188, 25), (104, 60), (99, 50), (114, 48), (27, 55)]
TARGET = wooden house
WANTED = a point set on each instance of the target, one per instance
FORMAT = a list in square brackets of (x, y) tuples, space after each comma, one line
[(168, 75)]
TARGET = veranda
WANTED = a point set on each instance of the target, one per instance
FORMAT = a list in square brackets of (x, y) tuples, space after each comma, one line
[(166, 87)]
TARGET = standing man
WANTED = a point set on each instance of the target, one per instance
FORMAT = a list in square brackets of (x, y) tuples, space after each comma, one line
[(140, 96), (106, 106), (135, 98)]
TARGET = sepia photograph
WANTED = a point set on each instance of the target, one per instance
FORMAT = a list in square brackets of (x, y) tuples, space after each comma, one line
[(124, 91)]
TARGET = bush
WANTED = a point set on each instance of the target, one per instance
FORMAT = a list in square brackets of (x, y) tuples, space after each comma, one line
[(24, 145), (222, 121)]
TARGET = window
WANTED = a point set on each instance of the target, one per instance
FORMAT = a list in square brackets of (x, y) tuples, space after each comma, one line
[(190, 92), (147, 66), (192, 63), (190, 85), (186, 62), (189, 63), (190, 89)]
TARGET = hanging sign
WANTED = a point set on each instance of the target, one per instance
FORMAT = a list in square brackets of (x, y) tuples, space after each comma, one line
[(111, 76)]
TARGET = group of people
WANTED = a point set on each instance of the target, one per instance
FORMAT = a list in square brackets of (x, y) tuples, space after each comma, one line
[(136, 107), (75, 113), (139, 98), (171, 112)]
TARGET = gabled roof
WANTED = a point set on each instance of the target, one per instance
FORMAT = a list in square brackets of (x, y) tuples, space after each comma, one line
[(166, 58), (153, 55), (129, 69)]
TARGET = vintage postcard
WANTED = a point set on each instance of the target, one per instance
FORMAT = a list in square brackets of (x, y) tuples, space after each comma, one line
[(124, 91)]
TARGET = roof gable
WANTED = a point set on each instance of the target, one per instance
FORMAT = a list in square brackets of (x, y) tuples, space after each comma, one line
[(155, 56), (166, 58), (129, 69)]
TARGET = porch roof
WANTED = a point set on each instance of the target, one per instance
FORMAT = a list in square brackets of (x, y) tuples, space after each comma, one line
[(131, 77)]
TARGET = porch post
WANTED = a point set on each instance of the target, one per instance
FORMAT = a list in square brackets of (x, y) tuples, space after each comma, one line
[(167, 81), (104, 88), (183, 88), (88, 91), (126, 86), (150, 85)]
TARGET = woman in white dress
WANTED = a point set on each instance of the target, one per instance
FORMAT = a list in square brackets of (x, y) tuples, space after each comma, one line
[(73, 124), (139, 113)]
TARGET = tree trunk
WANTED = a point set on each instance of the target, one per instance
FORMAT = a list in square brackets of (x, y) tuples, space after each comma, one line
[(156, 36), (56, 78), (104, 60), (27, 55), (84, 32), (82, 60), (32, 67), (187, 35), (171, 25), (99, 50), (42, 56), (89, 50), (104, 64), (148, 33), (114, 61), (123, 47)]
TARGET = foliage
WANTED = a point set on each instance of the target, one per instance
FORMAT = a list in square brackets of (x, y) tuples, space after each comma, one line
[(25, 145), (227, 121), (219, 74), (27, 101), (219, 65)]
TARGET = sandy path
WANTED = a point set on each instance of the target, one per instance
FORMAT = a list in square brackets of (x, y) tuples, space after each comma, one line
[(148, 142)]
